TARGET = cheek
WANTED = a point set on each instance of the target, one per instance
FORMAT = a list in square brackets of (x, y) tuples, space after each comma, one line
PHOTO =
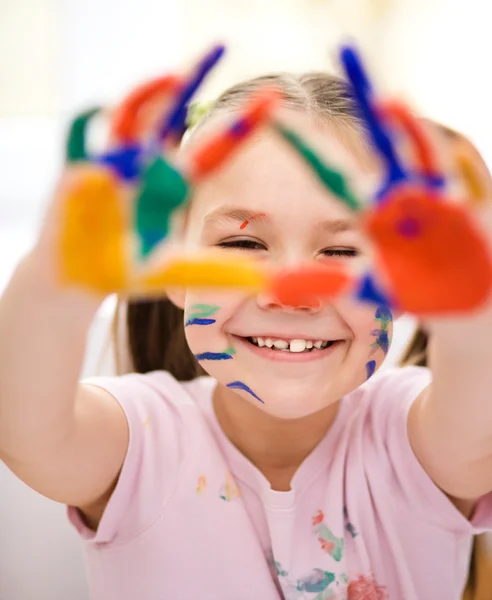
[(372, 330), (206, 313)]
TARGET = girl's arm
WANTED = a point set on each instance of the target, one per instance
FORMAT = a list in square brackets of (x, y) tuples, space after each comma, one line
[(450, 424), (65, 440)]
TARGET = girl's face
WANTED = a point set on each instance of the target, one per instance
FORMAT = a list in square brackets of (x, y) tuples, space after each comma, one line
[(266, 204)]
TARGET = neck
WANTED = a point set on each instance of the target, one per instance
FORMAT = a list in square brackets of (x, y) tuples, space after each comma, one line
[(278, 446)]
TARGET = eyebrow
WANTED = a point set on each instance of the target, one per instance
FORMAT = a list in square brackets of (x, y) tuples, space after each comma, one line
[(242, 215), (337, 226), (235, 214)]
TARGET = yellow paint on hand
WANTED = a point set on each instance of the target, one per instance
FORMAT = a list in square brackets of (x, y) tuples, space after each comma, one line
[(93, 230), (206, 273)]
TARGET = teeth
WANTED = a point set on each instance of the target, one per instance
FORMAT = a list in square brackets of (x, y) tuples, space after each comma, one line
[(297, 345), (292, 346), (282, 344)]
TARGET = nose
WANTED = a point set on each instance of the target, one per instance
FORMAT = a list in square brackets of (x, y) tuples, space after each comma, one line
[(268, 301)]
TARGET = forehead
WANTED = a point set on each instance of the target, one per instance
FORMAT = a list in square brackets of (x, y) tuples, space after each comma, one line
[(267, 175)]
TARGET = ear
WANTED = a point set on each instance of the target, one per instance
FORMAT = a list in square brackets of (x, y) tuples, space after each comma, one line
[(177, 295)]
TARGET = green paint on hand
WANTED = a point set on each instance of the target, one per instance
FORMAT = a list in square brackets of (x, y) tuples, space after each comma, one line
[(163, 190), (76, 141), (333, 180)]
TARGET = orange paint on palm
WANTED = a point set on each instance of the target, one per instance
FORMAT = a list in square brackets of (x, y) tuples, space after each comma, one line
[(304, 286), (433, 256)]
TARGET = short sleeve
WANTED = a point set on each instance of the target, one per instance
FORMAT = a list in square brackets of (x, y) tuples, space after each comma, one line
[(394, 394), (155, 405)]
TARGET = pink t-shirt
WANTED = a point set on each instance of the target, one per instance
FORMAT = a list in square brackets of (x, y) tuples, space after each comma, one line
[(192, 519)]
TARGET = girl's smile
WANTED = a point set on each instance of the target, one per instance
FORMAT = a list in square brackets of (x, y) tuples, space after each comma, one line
[(295, 349)]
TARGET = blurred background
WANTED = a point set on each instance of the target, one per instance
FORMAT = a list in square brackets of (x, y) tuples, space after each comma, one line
[(61, 56)]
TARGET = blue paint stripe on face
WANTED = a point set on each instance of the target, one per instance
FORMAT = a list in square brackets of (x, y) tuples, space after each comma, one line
[(239, 385), (383, 313), (370, 368), (199, 321), (213, 356)]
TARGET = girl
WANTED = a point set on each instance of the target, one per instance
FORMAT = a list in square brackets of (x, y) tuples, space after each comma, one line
[(291, 471)]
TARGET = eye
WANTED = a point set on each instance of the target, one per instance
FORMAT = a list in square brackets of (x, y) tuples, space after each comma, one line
[(347, 252), (243, 245)]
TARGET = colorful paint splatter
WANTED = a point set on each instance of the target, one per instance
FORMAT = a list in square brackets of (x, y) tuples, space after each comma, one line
[(370, 368), (316, 581), (366, 588), (230, 490), (347, 524), (278, 569), (385, 317), (226, 355), (239, 385), (201, 485), (328, 541), (200, 314)]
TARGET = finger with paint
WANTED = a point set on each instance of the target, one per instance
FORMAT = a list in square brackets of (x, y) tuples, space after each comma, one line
[(94, 226), (377, 129), (212, 153), (332, 179), (174, 122), (208, 272), (76, 147), (309, 284), (162, 191), (127, 124), (427, 163)]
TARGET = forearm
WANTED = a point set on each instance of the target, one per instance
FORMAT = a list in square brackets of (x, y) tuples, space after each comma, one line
[(458, 409), (43, 331)]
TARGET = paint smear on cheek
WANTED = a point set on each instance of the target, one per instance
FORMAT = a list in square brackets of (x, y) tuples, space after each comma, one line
[(200, 314), (384, 316), (226, 355), (370, 368), (239, 385)]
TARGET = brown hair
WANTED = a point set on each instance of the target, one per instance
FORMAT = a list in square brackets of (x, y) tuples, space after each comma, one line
[(154, 336)]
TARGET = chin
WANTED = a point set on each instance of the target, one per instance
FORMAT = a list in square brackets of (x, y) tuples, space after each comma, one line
[(294, 406)]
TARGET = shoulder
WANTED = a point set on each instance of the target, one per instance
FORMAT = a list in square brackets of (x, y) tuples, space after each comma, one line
[(157, 388), (390, 392)]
